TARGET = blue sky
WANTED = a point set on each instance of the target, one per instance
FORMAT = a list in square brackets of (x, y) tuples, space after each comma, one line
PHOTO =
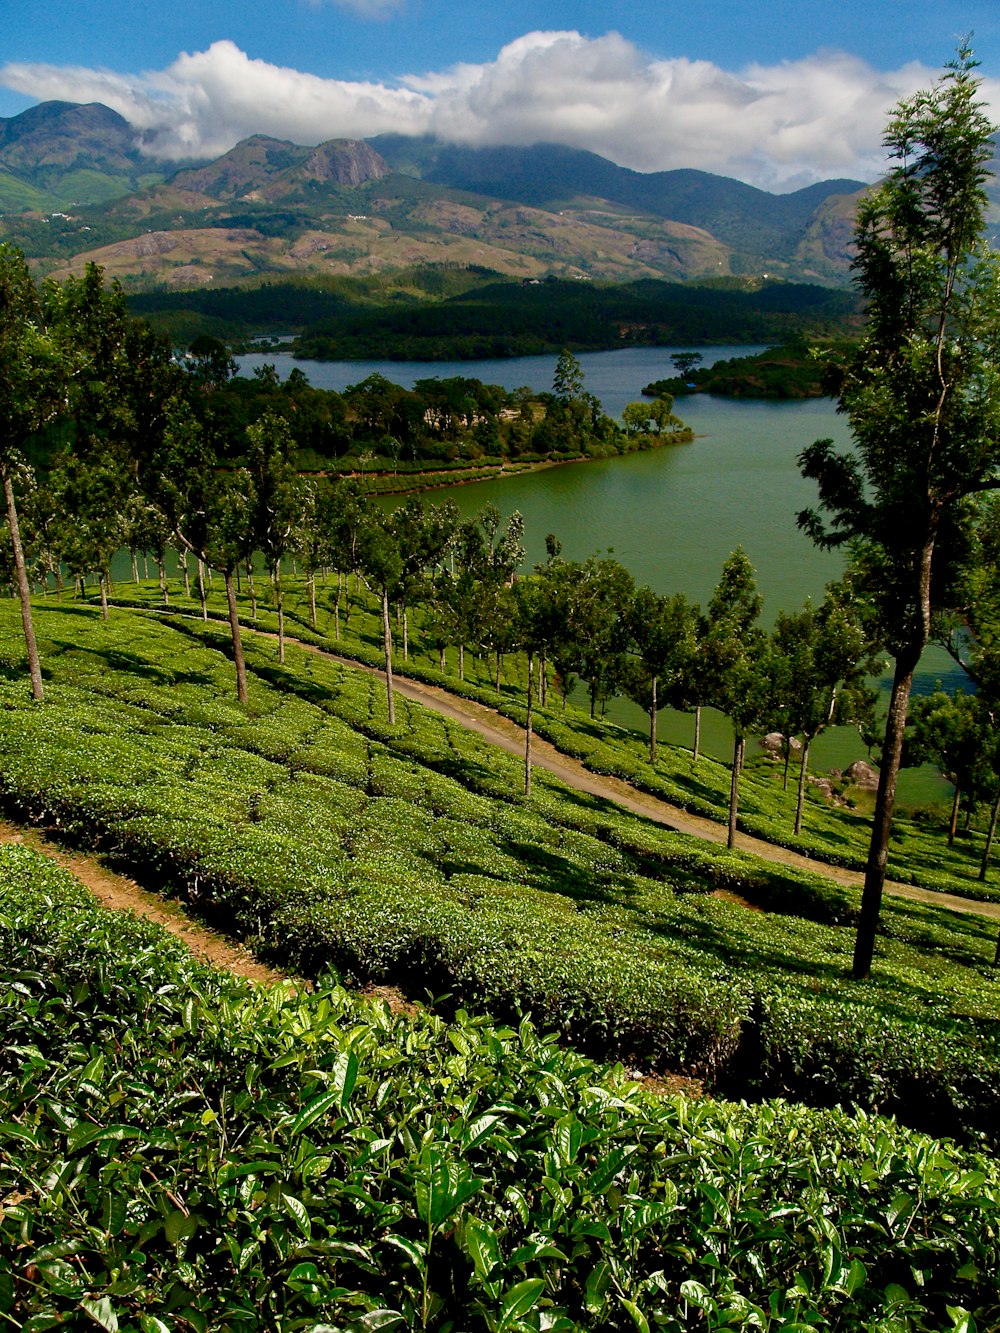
[(780, 92)]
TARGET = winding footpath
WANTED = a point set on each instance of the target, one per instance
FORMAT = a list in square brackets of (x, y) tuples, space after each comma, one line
[(118, 892), (502, 732)]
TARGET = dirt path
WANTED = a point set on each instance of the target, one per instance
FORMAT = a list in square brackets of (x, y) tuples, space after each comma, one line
[(501, 731), (122, 894)]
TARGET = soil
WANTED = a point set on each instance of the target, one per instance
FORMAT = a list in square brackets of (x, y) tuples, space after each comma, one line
[(121, 894)]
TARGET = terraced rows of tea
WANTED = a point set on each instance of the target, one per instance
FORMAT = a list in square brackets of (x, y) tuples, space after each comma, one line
[(836, 834), (307, 826), (180, 1149)]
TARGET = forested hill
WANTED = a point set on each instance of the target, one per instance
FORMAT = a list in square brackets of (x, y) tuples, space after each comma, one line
[(442, 315)]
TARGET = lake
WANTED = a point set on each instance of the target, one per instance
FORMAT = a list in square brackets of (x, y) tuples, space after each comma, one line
[(671, 514)]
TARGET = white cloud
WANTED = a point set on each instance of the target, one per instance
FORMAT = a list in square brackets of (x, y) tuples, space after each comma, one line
[(777, 125), (207, 101)]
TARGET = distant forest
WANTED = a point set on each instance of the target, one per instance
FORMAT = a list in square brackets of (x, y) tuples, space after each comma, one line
[(461, 314)]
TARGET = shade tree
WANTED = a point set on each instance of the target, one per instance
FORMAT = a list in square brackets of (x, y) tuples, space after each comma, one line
[(735, 663), (951, 731), (922, 395), (662, 635), (212, 512), (279, 498), (821, 658)]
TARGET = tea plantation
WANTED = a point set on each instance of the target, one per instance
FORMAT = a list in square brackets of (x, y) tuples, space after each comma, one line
[(307, 826), (183, 1150), (838, 835)]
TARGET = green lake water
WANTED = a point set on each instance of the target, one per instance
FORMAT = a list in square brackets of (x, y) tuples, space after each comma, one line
[(671, 514)]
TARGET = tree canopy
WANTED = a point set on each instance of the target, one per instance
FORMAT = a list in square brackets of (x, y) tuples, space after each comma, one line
[(922, 395)]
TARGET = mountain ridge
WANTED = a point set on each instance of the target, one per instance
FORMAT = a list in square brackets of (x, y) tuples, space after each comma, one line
[(389, 202)]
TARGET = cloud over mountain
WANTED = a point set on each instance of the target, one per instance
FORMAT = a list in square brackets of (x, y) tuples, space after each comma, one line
[(778, 126)]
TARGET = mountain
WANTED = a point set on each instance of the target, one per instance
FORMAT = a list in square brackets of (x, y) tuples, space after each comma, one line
[(549, 176), (58, 154), (78, 183), (251, 164)]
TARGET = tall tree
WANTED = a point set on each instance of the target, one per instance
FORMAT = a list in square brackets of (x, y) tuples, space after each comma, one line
[(922, 394), (951, 731), (735, 649), (91, 497), (488, 556), (567, 382), (212, 513), (32, 373), (380, 561), (663, 634), (821, 657), (279, 500)]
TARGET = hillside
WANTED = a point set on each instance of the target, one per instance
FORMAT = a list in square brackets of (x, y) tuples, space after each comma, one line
[(59, 154), (757, 227), (345, 207)]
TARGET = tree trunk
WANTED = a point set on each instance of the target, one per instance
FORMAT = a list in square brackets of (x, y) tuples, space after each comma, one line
[(991, 832), (202, 592), (406, 636), (312, 600), (102, 585), (276, 580), (162, 573), (234, 629), (788, 759), (697, 733), (527, 728), (441, 661), (135, 565), (801, 796), (543, 684), (734, 790), (953, 822), (885, 800), (652, 722), (461, 661), (187, 575), (387, 646), (252, 590), (23, 590), (498, 674), (336, 605)]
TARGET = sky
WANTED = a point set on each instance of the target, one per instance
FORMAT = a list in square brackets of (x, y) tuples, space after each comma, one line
[(778, 93)]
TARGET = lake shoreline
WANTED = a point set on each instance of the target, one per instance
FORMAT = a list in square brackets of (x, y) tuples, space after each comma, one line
[(505, 472)]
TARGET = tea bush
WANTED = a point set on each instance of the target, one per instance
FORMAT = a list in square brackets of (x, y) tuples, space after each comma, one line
[(180, 1149), (308, 827)]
